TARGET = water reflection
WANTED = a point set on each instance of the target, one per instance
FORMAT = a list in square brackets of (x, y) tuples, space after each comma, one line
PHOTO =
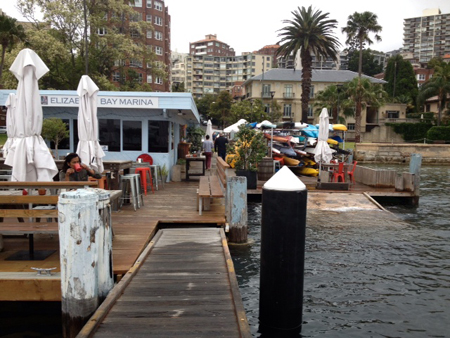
[(374, 277)]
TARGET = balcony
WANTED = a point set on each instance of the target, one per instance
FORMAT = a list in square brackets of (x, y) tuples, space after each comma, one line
[(288, 95), (266, 95)]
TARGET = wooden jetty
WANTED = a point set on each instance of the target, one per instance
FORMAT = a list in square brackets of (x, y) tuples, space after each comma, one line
[(184, 287)]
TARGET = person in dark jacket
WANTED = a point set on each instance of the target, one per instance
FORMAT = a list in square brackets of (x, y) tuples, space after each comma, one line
[(220, 146), (69, 170)]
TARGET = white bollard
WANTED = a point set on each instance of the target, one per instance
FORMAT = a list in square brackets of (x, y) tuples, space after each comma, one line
[(105, 235), (237, 206), (78, 238)]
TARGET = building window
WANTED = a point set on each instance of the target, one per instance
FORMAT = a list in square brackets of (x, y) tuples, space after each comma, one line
[(350, 126), (311, 93), (392, 114), (159, 81), (149, 3), (158, 36), (288, 91), (287, 110), (135, 17), (158, 6), (310, 112), (149, 34), (158, 20), (135, 63), (132, 135), (158, 136), (266, 91), (101, 31), (149, 79), (134, 33), (109, 131), (421, 77), (136, 3), (158, 50), (148, 18), (116, 76)]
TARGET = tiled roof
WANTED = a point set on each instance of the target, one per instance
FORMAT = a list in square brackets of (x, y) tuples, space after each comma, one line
[(318, 75)]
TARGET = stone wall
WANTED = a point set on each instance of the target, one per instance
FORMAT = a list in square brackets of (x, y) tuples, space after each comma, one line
[(382, 134), (401, 153)]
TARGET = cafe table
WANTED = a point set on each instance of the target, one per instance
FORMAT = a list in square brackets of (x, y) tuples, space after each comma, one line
[(190, 159)]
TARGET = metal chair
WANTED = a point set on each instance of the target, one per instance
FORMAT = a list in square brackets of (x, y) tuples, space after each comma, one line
[(351, 174), (131, 190), (339, 174)]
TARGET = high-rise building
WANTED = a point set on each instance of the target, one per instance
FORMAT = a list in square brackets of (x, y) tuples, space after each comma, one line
[(208, 74), (157, 14), (210, 46), (426, 37)]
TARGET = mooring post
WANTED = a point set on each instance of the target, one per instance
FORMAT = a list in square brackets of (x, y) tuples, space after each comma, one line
[(78, 238), (105, 236), (283, 228), (237, 204), (414, 168)]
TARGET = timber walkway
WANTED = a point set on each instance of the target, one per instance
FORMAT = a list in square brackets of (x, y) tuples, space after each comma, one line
[(185, 286)]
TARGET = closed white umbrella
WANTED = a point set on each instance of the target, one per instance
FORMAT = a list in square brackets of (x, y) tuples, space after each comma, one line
[(28, 154), (10, 128), (322, 152), (209, 130), (235, 127), (88, 146)]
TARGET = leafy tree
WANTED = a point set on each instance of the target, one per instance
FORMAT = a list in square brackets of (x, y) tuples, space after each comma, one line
[(311, 33), (204, 104), (332, 97), (54, 129), (249, 149), (250, 110), (10, 34), (194, 135), (359, 25), (275, 113), (178, 87), (221, 108), (438, 85), (402, 83), (370, 66), (360, 93)]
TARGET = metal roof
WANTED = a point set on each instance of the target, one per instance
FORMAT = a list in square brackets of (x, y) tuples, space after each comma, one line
[(318, 75)]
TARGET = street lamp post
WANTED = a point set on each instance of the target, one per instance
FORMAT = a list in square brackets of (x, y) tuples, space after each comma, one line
[(272, 94)]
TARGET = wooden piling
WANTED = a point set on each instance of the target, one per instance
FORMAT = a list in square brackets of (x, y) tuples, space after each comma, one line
[(237, 206), (78, 238)]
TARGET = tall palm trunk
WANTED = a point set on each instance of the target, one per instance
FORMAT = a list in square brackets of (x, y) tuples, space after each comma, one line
[(306, 83), (358, 121), (2, 62)]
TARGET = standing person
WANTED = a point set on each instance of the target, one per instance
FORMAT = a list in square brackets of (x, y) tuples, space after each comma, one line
[(207, 149), (221, 146), (74, 170)]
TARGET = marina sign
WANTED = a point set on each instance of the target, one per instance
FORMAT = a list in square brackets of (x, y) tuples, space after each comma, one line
[(138, 102)]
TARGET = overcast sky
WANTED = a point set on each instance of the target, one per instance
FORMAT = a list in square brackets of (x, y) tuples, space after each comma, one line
[(248, 25)]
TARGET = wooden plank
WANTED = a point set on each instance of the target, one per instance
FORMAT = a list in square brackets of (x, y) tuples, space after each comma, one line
[(203, 188), (34, 213), (216, 189), (42, 185), (35, 199), (28, 228)]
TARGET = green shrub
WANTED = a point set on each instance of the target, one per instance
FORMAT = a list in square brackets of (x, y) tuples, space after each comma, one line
[(439, 133), (411, 131), (425, 116)]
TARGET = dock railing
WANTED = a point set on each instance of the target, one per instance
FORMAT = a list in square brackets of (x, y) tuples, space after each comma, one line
[(380, 178)]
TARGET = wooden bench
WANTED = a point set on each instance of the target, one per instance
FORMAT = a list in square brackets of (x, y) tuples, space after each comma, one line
[(21, 207), (221, 170), (209, 188)]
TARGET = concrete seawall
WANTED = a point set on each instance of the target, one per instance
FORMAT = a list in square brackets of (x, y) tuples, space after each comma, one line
[(401, 153)]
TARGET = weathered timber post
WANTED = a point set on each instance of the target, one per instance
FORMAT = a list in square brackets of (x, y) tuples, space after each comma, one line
[(237, 205), (283, 228), (105, 236), (414, 168), (78, 238)]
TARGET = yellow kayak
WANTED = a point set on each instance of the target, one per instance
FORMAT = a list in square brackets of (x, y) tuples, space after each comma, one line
[(309, 171), (331, 141), (290, 161), (340, 127)]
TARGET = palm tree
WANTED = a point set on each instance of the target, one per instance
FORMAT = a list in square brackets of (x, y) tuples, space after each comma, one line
[(331, 98), (360, 93), (309, 32), (438, 85), (359, 25), (10, 33)]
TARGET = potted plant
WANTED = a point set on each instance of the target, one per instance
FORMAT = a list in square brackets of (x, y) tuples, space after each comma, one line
[(195, 134), (164, 173), (248, 150)]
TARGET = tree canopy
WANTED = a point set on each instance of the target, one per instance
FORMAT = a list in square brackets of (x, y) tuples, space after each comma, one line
[(370, 66), (310, 32)]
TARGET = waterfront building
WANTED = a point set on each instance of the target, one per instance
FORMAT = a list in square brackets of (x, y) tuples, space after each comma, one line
[(284, 86), (426, 37), (130, 123), (210, 45)]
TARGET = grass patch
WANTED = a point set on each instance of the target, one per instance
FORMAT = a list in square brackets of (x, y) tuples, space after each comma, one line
[(3, 138)]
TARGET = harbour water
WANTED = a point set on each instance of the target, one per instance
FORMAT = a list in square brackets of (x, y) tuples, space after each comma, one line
[(370, 278)]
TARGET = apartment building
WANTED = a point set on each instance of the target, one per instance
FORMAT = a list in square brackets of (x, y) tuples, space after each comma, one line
[(208, 74), (426, 37), (210, 46), (285, 86), (178, 67), (155, 12)]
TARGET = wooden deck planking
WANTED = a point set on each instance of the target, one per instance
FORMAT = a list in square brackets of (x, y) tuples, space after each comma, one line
[(182, 289)]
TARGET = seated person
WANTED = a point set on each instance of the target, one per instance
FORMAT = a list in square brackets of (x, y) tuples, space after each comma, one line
[(69, 172)]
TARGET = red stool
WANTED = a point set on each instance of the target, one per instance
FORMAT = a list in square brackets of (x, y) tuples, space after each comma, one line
[(143, 171)]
